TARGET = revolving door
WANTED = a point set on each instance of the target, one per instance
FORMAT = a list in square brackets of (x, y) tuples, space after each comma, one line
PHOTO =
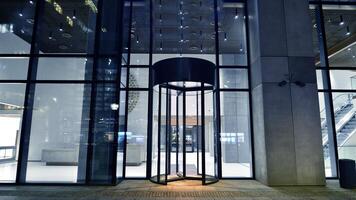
[(184, 138)]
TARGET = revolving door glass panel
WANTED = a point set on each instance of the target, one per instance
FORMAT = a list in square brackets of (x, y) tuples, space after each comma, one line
[(184, 140)]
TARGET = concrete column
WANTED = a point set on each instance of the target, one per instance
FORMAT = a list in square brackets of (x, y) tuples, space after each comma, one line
[(287, 133)]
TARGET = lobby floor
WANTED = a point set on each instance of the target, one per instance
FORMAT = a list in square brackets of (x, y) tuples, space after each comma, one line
[(182, 190)]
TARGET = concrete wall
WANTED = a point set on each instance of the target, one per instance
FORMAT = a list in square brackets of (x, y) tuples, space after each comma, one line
[(285, 118)]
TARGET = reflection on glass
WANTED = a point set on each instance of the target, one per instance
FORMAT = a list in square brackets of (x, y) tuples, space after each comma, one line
[(327, 131), (232, 37), (13, 68), (104, 130), (340, 31), (343, 79), (191, 33), (136, 147), (16, 22), (11, 108), (67, 27), (345, 122), (140, 29), (234, 78), (57, 150), (64, 69), (235, 134), (138, 78)]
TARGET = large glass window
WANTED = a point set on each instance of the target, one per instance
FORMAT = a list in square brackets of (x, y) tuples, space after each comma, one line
[(11, 108), (16, 23), (335, 60), (235, 134), (136, 147), (67, 26), (58, 133)]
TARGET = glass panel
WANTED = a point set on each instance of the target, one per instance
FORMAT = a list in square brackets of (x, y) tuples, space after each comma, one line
[(107, 69), (191, 134), (163, 145), (109, 36), (340, 31), (16, 22), (328, 134), (64, 69), (235, 134), (180, 133), (67, 27), (11, 109), (137, 134), (58, 140), (210, 142), (138, 78), (13, 68), (104, 127), (125, 33), (343, 79), (232, 34), (345, 121), (121, 136), (234, 78), (190, 34), (155, 134), (140, 39)]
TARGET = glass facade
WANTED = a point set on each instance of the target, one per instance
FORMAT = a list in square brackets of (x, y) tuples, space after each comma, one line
[(76, 98), (334, 47)]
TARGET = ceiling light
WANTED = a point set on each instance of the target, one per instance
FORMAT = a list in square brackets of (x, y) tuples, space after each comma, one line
[(20, 14), (161, 46), (349, 49), (60, 27), (236, 14), (341, 21), (225, 36), (137, 40), (50, 36), (348, 31), (74, 15), (31, 2), (201, 48)]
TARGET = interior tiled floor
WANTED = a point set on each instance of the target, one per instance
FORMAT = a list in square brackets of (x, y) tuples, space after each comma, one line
[(143, 189)]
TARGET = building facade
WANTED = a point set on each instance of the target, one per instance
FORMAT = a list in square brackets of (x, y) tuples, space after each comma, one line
[(78, 104)]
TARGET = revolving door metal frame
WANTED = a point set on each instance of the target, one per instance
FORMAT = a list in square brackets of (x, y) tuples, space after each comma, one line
[(162, 178)]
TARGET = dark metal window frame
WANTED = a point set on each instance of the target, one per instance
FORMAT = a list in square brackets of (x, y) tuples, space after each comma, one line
[(31, 82)]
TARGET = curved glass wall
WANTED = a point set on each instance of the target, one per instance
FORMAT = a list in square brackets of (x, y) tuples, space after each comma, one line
[(184, 144)]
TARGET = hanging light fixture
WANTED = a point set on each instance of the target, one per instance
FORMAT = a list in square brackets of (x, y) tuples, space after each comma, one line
[(341, 21), (348, 31), (74, 15), (225, 36), (61, 27), (236, 14), (50, 35)]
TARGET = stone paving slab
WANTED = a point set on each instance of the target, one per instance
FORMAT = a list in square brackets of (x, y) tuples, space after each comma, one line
[(184, 190)]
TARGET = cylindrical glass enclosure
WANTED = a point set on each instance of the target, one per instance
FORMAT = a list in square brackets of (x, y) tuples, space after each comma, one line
[(184, 137)]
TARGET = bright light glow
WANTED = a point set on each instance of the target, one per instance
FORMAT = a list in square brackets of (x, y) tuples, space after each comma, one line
[(114, 106)]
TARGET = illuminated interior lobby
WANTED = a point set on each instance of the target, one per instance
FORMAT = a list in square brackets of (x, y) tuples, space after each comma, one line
[(101, 92)]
